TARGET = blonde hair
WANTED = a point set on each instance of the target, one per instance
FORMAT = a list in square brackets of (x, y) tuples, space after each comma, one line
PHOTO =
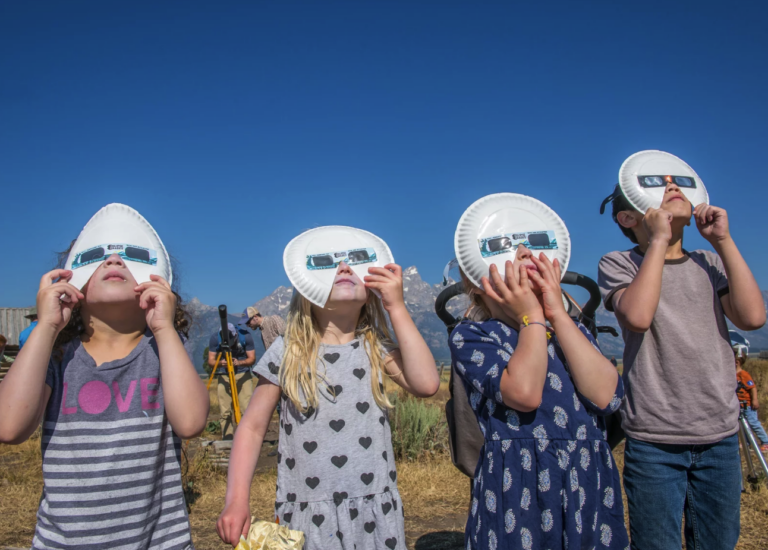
[(298, 372), (477, 310)]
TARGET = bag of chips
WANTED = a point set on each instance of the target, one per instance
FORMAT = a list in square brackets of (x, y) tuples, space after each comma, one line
[(265, 535)]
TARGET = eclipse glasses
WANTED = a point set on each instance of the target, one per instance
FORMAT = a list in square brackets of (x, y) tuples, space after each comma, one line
[(127, 252), (332, 260)]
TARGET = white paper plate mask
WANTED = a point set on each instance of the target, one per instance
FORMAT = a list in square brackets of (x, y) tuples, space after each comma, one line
[(118, 229), (312, 259), (490, 231), (644, 176)]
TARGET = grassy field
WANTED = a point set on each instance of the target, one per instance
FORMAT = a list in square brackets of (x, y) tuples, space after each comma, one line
[(435, 494)]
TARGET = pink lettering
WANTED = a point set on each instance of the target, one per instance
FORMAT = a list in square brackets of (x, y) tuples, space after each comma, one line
[(146, 393), (64, 408), (123, 404), (94, 397)]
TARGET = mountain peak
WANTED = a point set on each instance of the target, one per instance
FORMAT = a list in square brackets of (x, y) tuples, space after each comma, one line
[(410, 271)]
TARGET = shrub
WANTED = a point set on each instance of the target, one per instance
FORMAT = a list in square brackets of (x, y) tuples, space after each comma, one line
[(418, 428)]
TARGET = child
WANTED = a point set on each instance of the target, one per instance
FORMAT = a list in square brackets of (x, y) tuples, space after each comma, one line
[(682, 449), (337, 481), (747, 392), (546, 477), (107, 373)]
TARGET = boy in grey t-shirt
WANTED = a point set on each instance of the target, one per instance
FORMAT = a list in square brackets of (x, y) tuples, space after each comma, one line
[(680, 412)]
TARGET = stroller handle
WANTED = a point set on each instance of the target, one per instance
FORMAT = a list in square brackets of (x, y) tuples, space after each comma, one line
[(577, 279), (570, 278)]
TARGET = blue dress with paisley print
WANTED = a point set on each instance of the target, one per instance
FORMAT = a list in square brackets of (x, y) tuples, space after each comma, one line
[(546, 478)]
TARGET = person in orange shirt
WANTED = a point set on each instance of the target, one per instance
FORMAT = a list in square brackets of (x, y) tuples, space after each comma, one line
[(747, 392)]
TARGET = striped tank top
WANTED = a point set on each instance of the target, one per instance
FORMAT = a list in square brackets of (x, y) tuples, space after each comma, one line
[(111, 462)]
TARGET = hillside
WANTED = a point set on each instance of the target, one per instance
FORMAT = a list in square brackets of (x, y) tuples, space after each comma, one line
[(420, 300)]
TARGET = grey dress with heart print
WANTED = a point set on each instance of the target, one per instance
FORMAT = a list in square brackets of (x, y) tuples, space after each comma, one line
[(336, 477)]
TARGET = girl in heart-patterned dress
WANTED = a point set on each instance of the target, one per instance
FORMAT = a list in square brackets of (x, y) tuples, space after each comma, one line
[(336, 475), (546, 478)]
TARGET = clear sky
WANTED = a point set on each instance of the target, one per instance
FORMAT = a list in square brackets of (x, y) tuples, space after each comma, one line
[(234, 126)]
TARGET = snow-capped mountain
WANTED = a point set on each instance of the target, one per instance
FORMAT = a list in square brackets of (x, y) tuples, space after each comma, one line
[(420, 299)]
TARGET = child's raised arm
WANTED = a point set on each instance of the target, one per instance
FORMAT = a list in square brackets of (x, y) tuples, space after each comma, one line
[(744, 303), (593, 374), (236, 517), (185, 395), (24, 393), (636, 305), (412, 367)]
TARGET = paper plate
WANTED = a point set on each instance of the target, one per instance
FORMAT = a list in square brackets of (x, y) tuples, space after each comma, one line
[(315, 282), (113, 227), (507, 214), (657, 163)]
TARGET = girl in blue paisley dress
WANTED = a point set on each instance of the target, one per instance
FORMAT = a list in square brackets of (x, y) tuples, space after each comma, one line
[(546, 478)]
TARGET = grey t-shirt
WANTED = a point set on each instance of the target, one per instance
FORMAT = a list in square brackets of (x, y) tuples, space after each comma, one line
[(111, 461), (679, 376)]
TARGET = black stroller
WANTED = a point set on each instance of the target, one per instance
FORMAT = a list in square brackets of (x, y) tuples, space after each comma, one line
[(466, 440)]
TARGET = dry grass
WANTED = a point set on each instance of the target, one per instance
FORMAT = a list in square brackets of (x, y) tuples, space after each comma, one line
[(435, 495)]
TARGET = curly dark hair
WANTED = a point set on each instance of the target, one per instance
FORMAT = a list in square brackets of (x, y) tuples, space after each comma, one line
[(75, 328), (621, 204)]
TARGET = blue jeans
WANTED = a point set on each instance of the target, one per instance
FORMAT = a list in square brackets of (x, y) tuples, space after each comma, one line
[(663, 480), (754, 423)]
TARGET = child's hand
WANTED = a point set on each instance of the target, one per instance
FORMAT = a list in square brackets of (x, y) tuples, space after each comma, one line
[(158, 301), (234, 521), (548, 280), (514, 297), (712, 222), (388, 280), (658, 225), (55, 301)]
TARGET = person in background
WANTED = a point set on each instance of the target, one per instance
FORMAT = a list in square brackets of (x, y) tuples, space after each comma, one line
[(3, 357), (613, 361), (27, 331), (243, 358), (747, 392), (271, 326)]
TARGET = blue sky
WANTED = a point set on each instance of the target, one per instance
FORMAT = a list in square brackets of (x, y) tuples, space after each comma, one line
[(232, 127)]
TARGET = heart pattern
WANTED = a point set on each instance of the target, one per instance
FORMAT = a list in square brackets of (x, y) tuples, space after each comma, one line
[(339, 461), (312, 482), (341, 418), (336, 425), (331, 357)]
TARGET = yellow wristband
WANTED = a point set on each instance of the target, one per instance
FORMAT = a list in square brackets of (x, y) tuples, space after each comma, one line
[(527, 323)]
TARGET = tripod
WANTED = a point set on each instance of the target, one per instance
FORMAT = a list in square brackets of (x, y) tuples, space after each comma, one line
[(747, 439), (226, 351)]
